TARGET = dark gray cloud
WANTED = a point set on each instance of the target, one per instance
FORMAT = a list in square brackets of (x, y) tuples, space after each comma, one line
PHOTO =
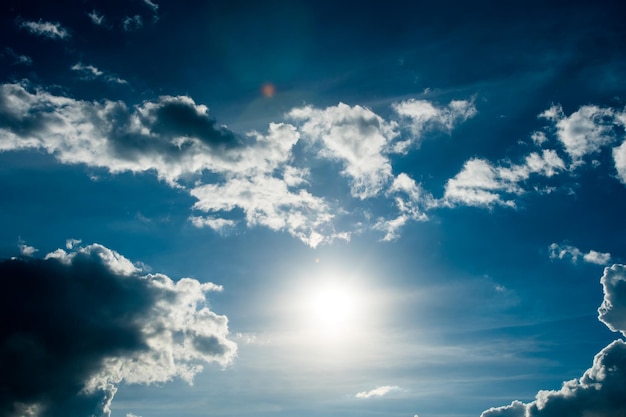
[(600, 391), (77, 324)]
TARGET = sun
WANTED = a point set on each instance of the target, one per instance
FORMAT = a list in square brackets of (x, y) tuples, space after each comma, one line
[(332, 307)]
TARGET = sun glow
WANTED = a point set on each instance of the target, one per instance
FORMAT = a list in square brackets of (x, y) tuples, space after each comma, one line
[(333, 307)]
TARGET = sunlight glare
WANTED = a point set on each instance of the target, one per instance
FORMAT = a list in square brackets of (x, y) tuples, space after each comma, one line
[(332, 307)]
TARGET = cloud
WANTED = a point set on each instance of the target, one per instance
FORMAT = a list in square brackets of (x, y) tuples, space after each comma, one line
[(45, 29), (483, 184), (26, 250), (412, 202), (567, 251), (80, 323), (619, 157), (89, 72), (17, 58), (96, 19), (256, 179), (583, 132), (600, 390), (612, 312), (132, 23), (152, 5), (378, 392), (424, 115), (354, 135)]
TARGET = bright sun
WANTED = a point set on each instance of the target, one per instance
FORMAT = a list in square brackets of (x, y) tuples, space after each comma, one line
[(332, 307)]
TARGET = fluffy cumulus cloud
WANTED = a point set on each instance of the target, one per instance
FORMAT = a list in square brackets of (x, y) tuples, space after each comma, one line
[(619, 156), (378, 392), (600, 390), (564, 251), (357, 137), (483, 184), (256, 179), (77, 324), (585, 131), (423, 115)]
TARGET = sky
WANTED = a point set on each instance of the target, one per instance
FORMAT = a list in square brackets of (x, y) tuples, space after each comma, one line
[(312, 208)]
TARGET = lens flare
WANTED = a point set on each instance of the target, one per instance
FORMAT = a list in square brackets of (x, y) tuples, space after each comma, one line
[(268, 90)]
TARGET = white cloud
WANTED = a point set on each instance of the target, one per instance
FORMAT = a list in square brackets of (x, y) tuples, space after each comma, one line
[(412, 202), (17, 58), (71, 243), (598, 258), (152, 5), (132, 23), (45, 29), (424, 115), (612, 312), (256, 179), (89, 72), (127, 327), (564, 251), (583, 132), (600, 390), (483, 184), (354, 135), (378, 392), (96, 19), (26, 250), (619, 157)]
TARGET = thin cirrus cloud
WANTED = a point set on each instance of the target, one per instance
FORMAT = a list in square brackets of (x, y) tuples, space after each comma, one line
[(90, 72), (126, 327), (259, 173), (378, 392), (600, 390), (45, 29), (564, 251)]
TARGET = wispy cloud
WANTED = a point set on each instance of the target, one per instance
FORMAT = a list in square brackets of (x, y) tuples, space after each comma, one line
[(90, 72), (378, 392), (46, 29), (132, 23), (564, 251), (96, 19), (17, 58)]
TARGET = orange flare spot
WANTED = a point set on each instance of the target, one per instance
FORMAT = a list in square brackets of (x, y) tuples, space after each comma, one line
[(268, 90)]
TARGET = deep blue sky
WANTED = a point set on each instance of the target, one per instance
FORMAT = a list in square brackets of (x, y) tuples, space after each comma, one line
[(453, 173)]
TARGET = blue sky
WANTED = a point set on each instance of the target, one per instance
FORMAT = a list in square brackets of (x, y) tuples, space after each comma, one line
[(312, 208)]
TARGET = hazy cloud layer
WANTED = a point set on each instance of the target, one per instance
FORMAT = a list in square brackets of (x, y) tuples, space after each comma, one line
[(77, 324), (600, 391)]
